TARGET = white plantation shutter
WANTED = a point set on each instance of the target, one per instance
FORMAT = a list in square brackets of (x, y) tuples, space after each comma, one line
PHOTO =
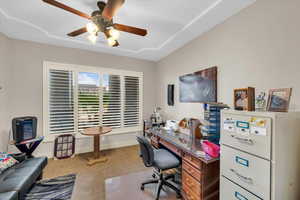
[(111, 85), (79, 97), (131, 101), (61, 101), (88, 103)]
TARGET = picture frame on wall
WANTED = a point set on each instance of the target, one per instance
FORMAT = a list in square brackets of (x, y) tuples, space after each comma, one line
[(279, 100), (244, 99)]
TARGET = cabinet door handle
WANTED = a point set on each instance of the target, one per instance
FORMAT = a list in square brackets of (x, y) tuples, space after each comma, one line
[(243, 178), (243, 140), (239, 196)]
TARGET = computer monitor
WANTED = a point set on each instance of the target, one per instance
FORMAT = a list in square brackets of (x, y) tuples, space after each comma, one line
[(24, 128)]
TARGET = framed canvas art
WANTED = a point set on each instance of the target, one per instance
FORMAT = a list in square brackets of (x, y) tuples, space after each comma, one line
[(244, 99), (199, 87), (279, 100), (261, 101)]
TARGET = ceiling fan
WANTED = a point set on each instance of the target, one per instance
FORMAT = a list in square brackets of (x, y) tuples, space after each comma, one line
[(101, 21)]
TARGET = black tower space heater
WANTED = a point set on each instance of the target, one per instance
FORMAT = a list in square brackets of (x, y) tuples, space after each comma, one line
[(24, 128), (24, 134)]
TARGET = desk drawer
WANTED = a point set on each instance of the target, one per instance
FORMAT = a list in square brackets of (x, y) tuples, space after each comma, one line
[(195, 162), (231, 191), (171, 147), (248, 171), (190, 184), (188, 195), (247, 134), (196, 173)]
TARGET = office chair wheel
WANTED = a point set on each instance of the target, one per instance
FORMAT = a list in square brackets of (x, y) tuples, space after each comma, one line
[(142, 187)]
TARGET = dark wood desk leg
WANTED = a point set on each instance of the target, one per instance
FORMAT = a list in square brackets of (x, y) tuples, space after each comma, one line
[(97, 146), (97, 158)]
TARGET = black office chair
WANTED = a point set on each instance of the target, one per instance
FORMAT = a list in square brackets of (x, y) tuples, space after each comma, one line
[(161, 160)]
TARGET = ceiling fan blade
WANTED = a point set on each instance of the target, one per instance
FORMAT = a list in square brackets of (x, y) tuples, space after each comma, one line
[(77, 32), (130, 29), (111, 8), (67, 8)]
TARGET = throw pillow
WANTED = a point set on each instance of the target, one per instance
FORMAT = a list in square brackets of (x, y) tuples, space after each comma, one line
[(6, 161)]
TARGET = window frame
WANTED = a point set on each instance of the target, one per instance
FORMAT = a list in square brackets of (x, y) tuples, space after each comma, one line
[(93, 69)]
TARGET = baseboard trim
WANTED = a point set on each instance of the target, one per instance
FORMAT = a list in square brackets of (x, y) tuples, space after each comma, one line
[(86, 149), (109, 146)]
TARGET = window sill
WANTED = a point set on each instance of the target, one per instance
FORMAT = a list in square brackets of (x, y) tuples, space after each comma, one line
[(50, 138)]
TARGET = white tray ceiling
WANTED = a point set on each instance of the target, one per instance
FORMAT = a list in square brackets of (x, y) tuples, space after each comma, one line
[(170, 23)]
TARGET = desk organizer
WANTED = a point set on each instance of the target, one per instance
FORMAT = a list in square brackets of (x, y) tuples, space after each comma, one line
[(211, 130)]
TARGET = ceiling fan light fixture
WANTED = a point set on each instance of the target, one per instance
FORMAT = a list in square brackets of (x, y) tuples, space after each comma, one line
[(115, 34), (101, 20), (93, 38), (92, 28), (111, 41)]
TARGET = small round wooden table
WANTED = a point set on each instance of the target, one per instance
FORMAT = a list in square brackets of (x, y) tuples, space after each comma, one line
[(96, 132)]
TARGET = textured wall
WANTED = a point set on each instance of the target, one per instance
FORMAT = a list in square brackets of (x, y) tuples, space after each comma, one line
[(5, 67), (258, 47), (26, 86)]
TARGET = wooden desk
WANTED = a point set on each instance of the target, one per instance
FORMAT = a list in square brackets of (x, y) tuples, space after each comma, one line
[(200, 176)]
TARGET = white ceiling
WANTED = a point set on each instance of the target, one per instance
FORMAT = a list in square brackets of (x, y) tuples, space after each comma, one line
[(170, 23)]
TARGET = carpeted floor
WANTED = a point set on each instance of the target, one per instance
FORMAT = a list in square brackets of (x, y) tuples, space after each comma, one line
[(90, 180)]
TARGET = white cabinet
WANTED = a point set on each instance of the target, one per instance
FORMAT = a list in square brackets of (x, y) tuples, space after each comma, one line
[(247, 171), (231, 191), (260, 155), (247, 135)]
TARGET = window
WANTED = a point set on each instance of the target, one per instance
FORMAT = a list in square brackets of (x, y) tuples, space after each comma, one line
[(88, 100), (79, 97), (111, 86), (132, 107), (61, 101)]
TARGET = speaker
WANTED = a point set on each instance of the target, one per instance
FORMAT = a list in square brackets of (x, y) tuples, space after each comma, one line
[(171, 95)]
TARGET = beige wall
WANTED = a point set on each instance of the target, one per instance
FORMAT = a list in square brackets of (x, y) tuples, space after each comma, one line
[(26, 84), (27, 73), (258, 47), (4, 79)]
